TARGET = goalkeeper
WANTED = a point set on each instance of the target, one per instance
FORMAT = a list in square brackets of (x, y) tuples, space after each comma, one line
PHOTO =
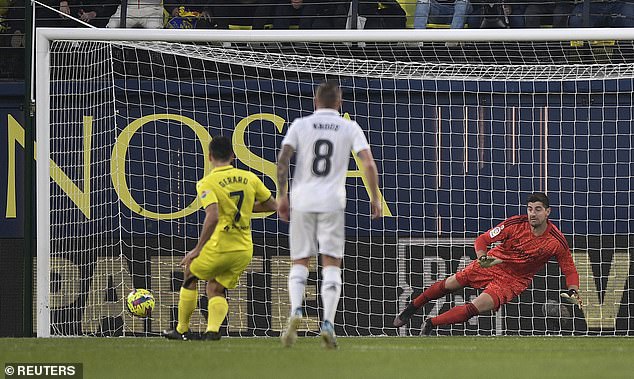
[(505, 271)]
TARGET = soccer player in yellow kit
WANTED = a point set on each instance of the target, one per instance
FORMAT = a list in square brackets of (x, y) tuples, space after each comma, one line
[(224, 249)]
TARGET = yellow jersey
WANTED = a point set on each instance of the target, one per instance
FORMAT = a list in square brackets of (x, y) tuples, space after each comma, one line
[(235, 191)]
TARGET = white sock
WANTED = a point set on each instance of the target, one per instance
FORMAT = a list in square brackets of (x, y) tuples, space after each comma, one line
[(296, 283), (330, 291)]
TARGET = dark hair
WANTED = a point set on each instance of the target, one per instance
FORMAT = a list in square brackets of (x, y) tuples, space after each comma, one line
[(220, 148), (539, 197), (329, 94)]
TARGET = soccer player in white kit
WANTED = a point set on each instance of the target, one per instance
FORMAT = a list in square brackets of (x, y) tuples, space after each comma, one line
[(323, 142)]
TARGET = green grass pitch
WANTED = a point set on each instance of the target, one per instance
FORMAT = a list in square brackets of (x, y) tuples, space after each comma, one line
[(378, 357)]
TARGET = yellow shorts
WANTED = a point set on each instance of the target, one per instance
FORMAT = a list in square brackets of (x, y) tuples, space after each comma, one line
[(225, 267)]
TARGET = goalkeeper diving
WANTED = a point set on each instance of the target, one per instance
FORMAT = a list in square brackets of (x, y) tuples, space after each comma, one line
[(527, 242)]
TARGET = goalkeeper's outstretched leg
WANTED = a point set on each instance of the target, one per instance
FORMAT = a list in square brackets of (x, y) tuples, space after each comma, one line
[(459, 314), (435, 291)]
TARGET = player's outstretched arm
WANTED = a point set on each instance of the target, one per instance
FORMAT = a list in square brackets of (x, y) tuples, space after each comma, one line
[(568, 268), (372, 176)]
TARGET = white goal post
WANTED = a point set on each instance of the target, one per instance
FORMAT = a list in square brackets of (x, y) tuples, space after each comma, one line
[(463, 124)]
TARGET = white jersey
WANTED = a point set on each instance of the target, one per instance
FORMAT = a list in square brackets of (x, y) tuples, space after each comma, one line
[(323, 142)]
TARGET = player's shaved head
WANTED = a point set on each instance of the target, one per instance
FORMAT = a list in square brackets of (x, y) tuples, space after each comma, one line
[(328, 95), (539, 197), (220, 148)]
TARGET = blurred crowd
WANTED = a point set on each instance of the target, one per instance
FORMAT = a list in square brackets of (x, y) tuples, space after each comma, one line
[(303, 14), (315, 14), (319, 14)]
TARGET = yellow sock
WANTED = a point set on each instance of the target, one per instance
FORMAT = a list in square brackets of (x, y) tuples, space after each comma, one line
[(218, 308), (186, 306)]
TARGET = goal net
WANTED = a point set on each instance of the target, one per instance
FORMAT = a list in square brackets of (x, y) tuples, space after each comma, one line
[(462, 132)]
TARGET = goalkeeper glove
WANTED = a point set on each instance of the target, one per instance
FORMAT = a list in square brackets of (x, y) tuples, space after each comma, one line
[(486, 261), (571, 297)]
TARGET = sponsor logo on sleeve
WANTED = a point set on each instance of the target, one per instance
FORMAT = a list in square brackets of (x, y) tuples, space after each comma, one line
[(204, 194), (495, 231)]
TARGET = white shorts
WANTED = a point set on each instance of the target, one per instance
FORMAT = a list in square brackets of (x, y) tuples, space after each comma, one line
[(312, 233)]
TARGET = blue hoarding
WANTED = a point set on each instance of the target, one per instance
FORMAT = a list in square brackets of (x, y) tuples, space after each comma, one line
[(454, 157)]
